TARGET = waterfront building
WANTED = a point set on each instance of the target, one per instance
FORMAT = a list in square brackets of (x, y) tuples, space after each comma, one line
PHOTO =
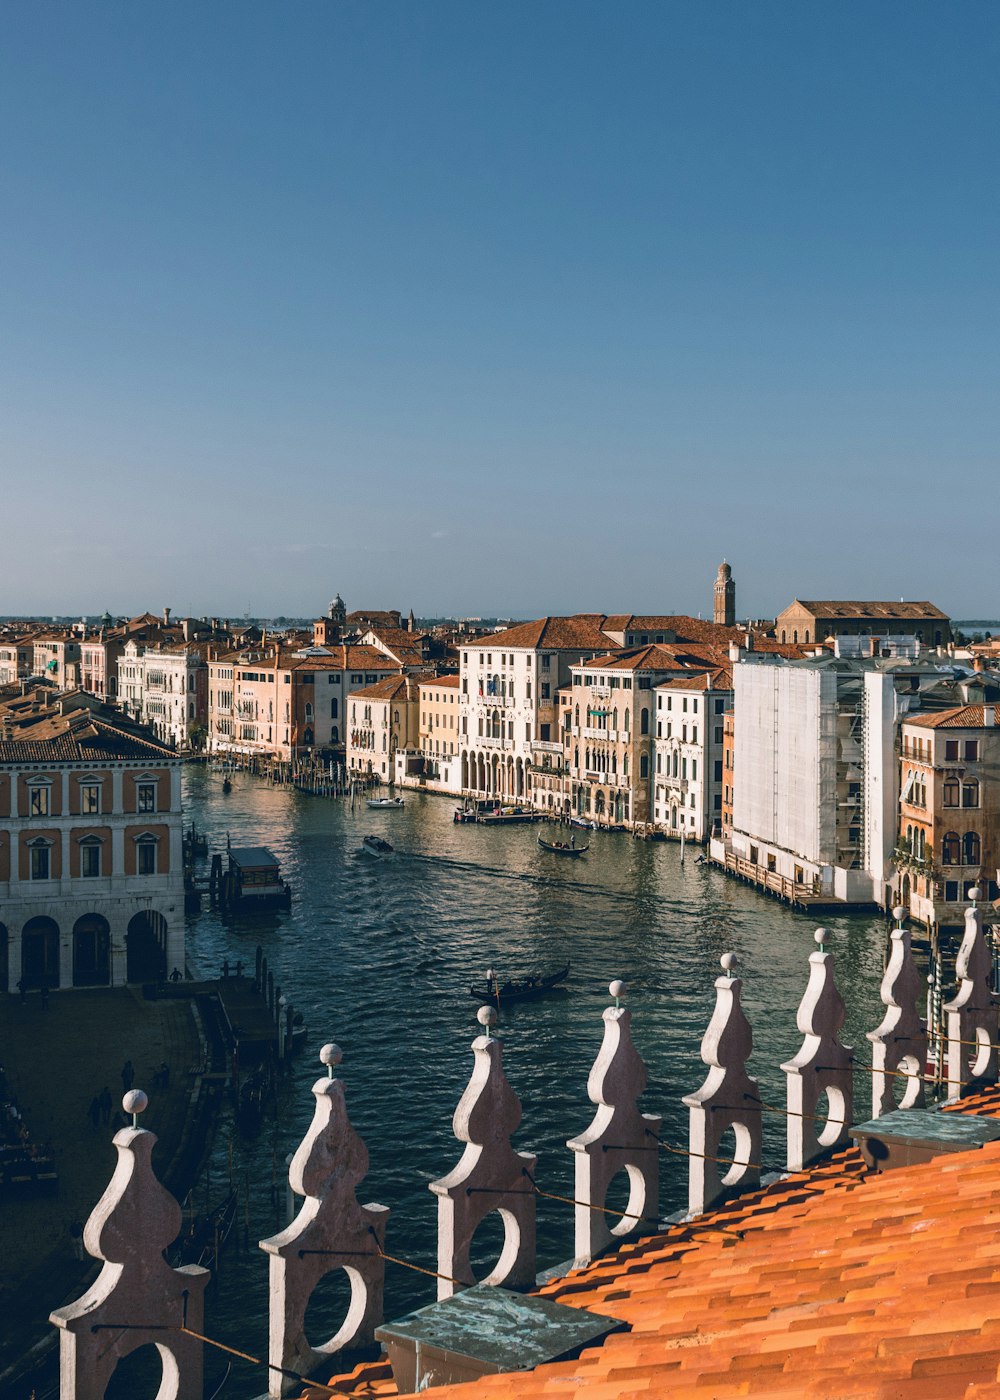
[(815, 791), (809, 622), (728, 773), (690, 713), (175, 691), (91, 878), (949, 812), (434, 763), (509, 684), (383, 721), (611, 734), (285, 703)]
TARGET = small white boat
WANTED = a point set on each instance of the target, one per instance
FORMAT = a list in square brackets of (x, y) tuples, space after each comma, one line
[(382, 802), (375, 846), (583, 822)]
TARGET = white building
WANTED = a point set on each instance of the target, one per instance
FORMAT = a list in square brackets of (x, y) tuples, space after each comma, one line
[(509, 682), (688, 778)]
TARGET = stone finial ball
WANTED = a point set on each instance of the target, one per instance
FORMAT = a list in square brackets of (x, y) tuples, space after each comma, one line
[(898, 913), (727, 962), (819, 937), (487, 1016), (135, 1101), (974, 893), (331, 1054), (617, 988)]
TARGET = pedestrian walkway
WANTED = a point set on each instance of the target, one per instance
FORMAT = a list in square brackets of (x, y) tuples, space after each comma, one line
[(57, 1059)]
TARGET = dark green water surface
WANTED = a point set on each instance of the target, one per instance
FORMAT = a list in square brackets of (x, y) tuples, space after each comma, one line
[(377, 955)]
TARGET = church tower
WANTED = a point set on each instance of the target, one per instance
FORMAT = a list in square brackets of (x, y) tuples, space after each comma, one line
[(725, 596), (329, 630)]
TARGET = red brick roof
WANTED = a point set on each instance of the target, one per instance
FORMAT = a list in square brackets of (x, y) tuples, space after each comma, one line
[(552, 634), (962, 717), (392, 688), (877, 612)]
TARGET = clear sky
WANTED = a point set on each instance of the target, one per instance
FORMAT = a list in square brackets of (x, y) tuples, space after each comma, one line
[(498, 308)]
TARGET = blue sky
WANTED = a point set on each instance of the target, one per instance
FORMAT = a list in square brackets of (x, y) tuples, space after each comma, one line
[(512, 308)]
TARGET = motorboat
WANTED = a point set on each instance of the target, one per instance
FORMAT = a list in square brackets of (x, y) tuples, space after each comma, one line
[(375, 846), (382, 803)]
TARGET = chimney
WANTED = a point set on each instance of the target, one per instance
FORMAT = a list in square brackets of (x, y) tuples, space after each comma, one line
[(186, 629), (978, 664), (166, 617), (749, 640), (989, 716)]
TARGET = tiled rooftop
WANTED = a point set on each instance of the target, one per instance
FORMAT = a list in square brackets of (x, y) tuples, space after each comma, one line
[(826, 1285), (961, 717)]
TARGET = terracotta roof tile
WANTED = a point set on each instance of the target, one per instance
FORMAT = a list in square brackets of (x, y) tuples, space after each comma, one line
[(961, 717), (551, 633)]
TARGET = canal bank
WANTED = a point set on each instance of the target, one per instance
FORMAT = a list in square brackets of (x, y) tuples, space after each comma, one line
[(57, 1058)]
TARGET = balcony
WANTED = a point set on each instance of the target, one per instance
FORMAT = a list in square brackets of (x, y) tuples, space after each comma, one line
[(545, 746)]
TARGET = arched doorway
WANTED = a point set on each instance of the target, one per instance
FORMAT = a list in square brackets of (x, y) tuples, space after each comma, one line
[(91, 951), (40, 953), (146, 948)]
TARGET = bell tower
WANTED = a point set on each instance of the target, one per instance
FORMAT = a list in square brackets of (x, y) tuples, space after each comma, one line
[(725, 596)]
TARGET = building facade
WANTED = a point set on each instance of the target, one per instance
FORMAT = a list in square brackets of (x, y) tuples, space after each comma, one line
[(690, 717), (91, 876), (804, 622), (383, 720), (949, 812)]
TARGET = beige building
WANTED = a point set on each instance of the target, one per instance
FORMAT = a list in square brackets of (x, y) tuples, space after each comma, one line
[(383, 720), (609, 742), (949, 812), (91, 875), (809, 622), (690, 718), (509, 684)]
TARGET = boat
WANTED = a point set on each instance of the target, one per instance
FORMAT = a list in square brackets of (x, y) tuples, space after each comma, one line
[(508, 816), (562, 848), (253, 880), (583, 822), (491, 990), (206, 1234), (226, 785), (464, 814), (375, 846), (380, 803)]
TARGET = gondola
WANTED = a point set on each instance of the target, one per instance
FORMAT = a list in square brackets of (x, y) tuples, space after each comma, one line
[(226, 785), (491, 991), (202, 1241), (562, 848)]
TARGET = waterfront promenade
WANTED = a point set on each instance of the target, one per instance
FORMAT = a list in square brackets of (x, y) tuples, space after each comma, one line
[(56, 1059)]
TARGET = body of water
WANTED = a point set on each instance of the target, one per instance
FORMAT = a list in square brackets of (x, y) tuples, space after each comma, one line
[(378, 956)]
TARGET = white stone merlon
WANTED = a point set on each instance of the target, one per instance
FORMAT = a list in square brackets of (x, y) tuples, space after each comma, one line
[(137, 1299), (822, 1066), (971, 1015), (331, 1231), (490, 1176), (729, 1098), (619, 1138), (899, 1044)]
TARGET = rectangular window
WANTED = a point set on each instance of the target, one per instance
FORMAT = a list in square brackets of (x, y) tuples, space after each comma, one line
[(545, 690), (718, 734), (38, 802), (951, 891), (90, 798), (145, 797), (39, 862), (145, 857), (90, 861), (718, 770), (719, 706), (951, 751), (972, 749)]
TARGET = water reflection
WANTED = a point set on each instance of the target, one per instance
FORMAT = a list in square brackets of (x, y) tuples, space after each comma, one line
[(378, 955)]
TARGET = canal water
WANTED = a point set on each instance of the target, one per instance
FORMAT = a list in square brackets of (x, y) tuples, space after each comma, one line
[(378, 955)]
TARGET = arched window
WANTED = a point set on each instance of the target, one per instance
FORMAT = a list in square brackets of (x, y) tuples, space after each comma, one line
[(921, 843), (909, 838), (577, 717), (951, 849), (625, 726), (971, 849), (644, 763), (334, 706), (795, 637), (614, 762), (309, 714), (614, 718), (970, 792), (644, 722), (951, 792)]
